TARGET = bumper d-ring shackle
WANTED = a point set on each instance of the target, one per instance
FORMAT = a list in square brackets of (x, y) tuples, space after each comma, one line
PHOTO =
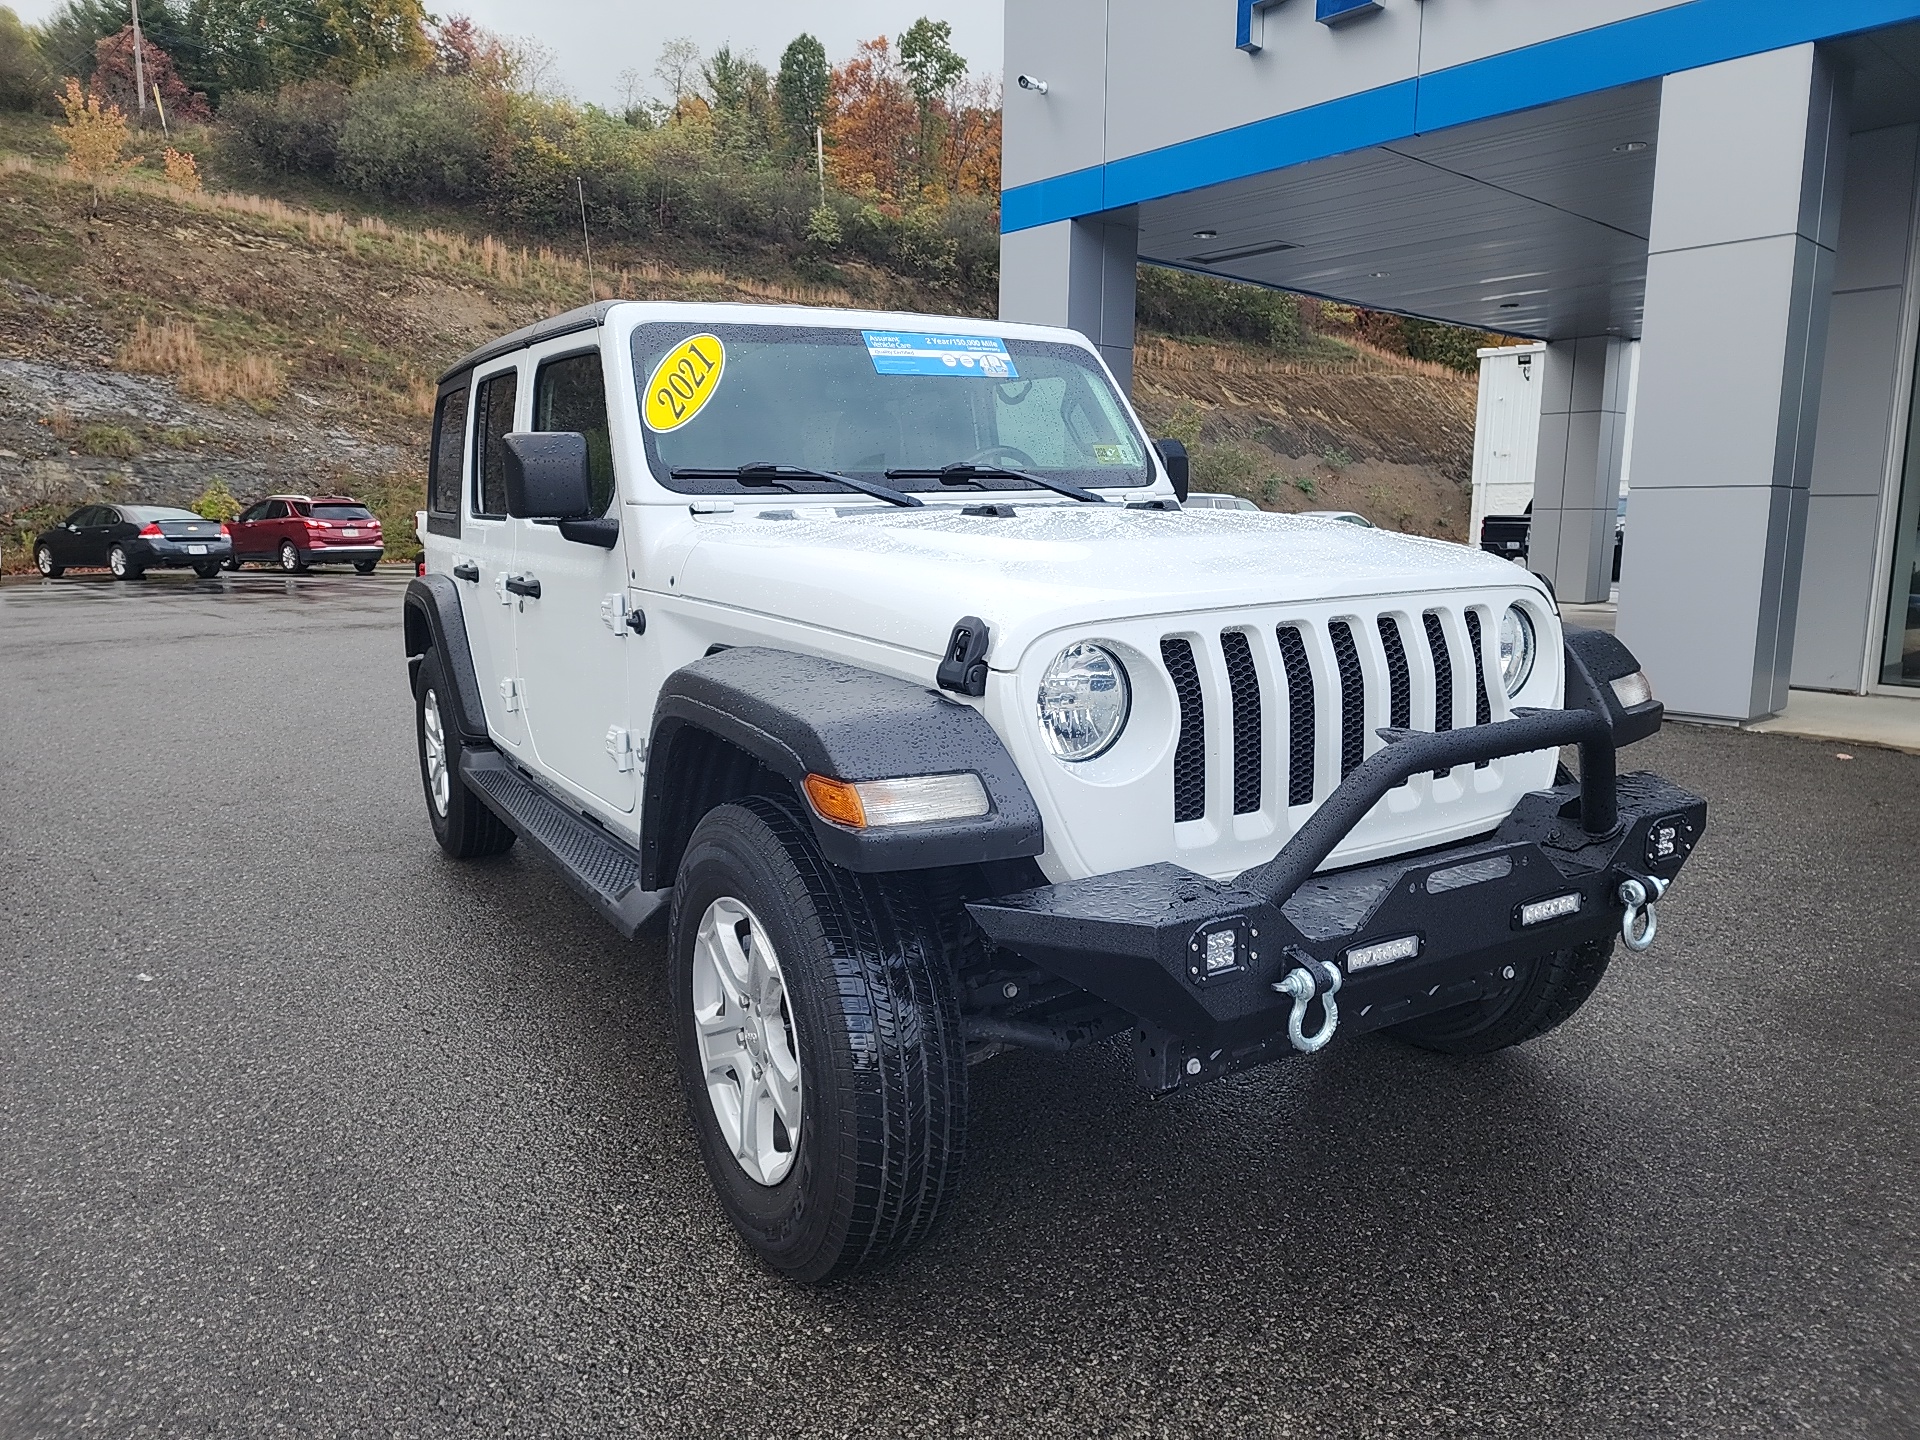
[(1638, 896), (1307, 979)]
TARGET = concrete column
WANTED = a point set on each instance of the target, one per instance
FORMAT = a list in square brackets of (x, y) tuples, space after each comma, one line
[(1077, 273), (1576, 478), (1739, 281)]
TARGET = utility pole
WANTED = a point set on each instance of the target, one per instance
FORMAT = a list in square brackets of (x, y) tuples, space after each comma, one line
[(139, 65)]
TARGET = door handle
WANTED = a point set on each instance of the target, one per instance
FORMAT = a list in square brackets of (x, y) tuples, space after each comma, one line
[(524, 585), (467, 570)]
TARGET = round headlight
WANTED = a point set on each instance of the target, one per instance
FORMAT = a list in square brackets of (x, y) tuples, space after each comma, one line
[(1517, 648), (1084, 699)]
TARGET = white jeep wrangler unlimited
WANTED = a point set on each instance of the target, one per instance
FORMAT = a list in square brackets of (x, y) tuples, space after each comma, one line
[(879, 652)]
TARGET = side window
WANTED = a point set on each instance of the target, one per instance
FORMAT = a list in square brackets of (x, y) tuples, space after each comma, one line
[(276, 510), (494, 414), (449, 444), (253, 512), (83, 517), (569, 394)]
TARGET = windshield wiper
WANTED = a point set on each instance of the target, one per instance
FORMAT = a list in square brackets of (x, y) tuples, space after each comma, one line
[(765, 474), (966, 473)]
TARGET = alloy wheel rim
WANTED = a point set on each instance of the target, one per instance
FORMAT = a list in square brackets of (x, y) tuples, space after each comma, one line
[(44, 559), (434, 738), (117, 560), (749, 1044), (287, 558)]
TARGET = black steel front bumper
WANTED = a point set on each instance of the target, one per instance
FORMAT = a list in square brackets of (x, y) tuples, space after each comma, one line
[(1197, 961)]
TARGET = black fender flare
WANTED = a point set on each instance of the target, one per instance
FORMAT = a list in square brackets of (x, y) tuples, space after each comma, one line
[(798, 715), (434, 620), (1595, 659)]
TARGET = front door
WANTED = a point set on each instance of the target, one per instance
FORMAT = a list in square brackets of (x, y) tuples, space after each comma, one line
[(572, 639), (487, 538)]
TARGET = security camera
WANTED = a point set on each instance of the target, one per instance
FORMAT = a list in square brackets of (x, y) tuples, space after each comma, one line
[(1029, 82)]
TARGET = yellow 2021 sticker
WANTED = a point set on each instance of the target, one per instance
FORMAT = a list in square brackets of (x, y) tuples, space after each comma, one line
[(684, 381)]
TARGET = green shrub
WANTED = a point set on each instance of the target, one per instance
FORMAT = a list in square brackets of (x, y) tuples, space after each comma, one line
[(116, 442), (415, 137), (295, 131), (27, 81), (216, 502), (1175, 302), (1447, 345)]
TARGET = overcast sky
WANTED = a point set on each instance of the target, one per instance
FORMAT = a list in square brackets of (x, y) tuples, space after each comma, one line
[(595, 40)]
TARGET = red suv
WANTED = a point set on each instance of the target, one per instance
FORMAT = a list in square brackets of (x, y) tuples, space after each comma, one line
[(295, 531)]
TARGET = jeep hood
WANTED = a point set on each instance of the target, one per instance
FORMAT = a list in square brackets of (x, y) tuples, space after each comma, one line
[(903, 577)]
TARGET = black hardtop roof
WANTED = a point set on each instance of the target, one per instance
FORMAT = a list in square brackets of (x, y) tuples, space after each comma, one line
[(586, 317)]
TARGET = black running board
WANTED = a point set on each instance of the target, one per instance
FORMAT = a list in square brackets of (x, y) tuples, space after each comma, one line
[(603, 869)]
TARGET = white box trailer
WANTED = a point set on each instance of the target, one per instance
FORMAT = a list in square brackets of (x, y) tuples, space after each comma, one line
[(1506, 432)]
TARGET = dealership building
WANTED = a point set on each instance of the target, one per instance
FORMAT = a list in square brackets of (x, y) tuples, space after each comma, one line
[(1732, 183)]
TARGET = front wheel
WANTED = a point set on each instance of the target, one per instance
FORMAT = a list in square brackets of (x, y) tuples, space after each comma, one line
[(123, 565), (207, 569), (817, 1027), (290, 558), (365, 567), (43, 558), (232, 562), (462, 824), (1542, 995)]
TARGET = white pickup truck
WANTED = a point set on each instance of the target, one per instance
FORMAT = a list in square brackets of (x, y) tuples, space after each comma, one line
[(880, 654)]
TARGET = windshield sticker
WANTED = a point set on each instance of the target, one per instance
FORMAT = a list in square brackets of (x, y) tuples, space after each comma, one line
[(895, 353), (1113, 455), (686, 378)]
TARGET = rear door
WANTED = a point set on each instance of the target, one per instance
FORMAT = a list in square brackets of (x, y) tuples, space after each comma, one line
[(102, 527), (487, 538), (572, 640)]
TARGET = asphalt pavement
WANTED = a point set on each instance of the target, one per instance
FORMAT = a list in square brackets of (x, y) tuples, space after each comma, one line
[(308, 1130)]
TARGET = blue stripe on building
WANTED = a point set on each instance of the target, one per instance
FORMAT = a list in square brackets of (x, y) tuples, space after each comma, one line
[(1684, 37)]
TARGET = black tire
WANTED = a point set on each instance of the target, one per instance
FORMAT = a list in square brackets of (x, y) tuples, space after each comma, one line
[(873, 1003), (123, 565), (1540, 997), (43, 558), (291, 560), (208, 569), (464, 826), (365, 567), (232, 562)]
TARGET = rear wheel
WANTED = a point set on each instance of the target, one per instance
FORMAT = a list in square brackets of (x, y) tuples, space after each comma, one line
[(464, 826), (1542, 995), (43, 558), (207, 569), (123, 565), (365, 567), (817, 1026), (291, 560), (232, 562)]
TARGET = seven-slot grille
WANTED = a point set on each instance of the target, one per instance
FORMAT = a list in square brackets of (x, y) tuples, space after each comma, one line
[(1366, 694)]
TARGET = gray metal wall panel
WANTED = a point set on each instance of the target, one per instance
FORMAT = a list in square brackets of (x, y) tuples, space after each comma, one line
[(1838, 591), (1064, 42)]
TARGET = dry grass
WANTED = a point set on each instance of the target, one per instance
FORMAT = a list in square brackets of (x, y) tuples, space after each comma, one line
[(61, 422), (173, 348), (417, 402)]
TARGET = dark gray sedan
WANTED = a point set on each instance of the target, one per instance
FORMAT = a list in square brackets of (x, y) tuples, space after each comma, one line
[(130, 540)]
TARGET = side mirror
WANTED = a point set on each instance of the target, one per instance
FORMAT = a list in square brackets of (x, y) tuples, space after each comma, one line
[(547, 475), (1173, 455)]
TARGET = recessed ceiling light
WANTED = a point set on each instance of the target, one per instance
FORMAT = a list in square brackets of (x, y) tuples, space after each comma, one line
[(1630, 147), (1205, 234)]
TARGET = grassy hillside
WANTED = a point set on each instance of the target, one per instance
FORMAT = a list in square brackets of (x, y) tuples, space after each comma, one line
[(155, 342)]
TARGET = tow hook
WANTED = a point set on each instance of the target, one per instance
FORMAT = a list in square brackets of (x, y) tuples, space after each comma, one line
[(1307, 979), (1639, 895)]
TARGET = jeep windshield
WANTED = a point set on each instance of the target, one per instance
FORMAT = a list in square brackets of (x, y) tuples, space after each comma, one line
[(879, 405)]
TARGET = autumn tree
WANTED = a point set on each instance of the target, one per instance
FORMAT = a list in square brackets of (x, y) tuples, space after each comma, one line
[(872, 125), (802, 91), (95, 136), (114, 79)]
